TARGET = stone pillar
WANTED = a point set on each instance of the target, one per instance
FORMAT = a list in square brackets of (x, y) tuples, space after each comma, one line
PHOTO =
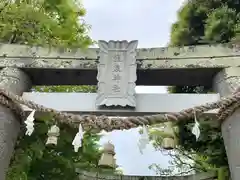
[(226, 82), (17, 82)]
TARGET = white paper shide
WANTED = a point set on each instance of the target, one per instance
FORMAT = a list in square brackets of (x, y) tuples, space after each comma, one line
[(77, 141), (30, 123)]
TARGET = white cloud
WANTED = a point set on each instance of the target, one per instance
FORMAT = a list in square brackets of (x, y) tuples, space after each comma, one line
[(147, 21)]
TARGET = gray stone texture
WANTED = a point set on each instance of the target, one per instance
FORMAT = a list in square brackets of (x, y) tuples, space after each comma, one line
[(226, 82), (57, 66), (231, 136), (83, 175), (17, 82), (217, 56), (199, 51)]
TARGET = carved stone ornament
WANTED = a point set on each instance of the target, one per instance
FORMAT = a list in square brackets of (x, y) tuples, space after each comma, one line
[(117, 73)]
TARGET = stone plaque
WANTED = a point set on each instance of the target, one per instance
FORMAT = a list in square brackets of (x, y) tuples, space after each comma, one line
[(117, 73)]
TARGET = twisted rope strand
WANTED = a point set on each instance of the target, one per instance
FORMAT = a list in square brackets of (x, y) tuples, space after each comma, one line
[(226, 105)]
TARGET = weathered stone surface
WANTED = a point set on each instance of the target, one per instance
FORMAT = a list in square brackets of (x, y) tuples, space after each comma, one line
[(188, 65), (155, 58), (231, 133), (183, 66), (144, 64), (16, 81), (117, 73), (83, 175), (226, 82), (211, 51), (47, 62)]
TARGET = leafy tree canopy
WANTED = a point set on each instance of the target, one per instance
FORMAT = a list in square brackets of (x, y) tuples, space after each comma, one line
[(45, 23), (203, 22), (51, 23)]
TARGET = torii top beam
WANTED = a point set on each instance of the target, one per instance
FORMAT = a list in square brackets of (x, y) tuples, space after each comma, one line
[(192, 65)]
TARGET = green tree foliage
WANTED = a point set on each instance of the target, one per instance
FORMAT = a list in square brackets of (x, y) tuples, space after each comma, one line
[(33, 160), (49, 23), (45, 23), (221, 24), (204, 22)]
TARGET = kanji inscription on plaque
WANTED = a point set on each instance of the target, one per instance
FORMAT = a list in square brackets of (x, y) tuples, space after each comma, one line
[(117, 73)]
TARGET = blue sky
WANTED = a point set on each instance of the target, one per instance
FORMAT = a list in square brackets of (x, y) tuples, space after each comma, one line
[(149, 22)]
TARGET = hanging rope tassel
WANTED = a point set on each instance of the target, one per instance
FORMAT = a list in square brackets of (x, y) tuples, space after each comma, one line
[(196, 129), (30, 123), (53, 134), (77, 141)]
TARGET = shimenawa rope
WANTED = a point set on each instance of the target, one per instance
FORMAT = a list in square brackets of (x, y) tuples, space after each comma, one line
[(225, 105)]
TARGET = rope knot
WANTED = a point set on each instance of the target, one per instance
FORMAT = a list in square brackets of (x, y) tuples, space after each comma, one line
[(229, 106)]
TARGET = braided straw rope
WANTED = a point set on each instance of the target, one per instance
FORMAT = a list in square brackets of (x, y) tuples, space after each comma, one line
[(226, 105)]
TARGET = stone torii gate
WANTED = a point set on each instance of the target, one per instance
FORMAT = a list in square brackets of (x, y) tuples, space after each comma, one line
[(117, 67)]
